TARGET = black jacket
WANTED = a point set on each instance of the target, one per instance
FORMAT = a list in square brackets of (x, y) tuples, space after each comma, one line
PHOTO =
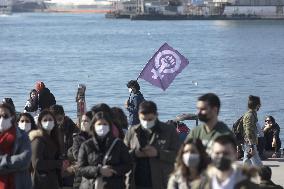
[(264, 184), (90, 159), (45, 161), (271, 133), (45, 99), (31, 105), (133, 107), (78, 139), (66, 131)]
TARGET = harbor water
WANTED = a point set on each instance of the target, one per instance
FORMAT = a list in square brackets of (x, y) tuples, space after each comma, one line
[(230, 58)]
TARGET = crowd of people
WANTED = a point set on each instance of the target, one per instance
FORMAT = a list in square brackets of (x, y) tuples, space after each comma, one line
[(42, 148)]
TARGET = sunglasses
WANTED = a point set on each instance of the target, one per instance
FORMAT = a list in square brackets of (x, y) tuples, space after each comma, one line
[(267, 120)]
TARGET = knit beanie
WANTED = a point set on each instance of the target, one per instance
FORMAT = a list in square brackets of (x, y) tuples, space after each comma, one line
[(39, 86)]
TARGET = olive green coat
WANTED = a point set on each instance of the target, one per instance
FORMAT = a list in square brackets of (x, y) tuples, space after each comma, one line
[(166, 141)]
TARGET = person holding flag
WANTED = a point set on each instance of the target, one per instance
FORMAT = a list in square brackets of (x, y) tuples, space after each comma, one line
[(160, 71), (132, 104)]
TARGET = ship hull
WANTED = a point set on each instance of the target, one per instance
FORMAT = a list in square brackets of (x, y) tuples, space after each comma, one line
[(78, 8)]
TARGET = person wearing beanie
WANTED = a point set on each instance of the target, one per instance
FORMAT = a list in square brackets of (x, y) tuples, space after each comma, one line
[(45, 97), (39, 86)]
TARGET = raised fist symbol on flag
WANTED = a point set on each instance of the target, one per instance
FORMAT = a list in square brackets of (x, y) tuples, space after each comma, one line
[(166, 62)]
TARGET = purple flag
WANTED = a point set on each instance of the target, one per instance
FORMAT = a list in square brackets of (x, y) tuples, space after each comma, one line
[(163, 67)]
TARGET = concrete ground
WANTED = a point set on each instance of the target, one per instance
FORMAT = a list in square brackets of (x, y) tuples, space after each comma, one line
[(277, 166)]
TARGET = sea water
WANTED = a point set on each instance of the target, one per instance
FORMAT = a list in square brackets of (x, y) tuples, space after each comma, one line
[(233, 59)]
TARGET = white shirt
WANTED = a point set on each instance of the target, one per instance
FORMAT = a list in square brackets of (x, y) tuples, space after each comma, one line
[(229, 183)]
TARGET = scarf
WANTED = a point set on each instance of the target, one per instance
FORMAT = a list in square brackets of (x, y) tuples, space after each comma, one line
[(7, 140)]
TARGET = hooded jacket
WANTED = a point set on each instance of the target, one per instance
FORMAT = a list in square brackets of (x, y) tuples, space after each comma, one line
[(45, 99), (45, 161)]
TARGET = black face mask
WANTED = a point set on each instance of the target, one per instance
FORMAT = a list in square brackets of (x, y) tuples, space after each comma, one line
[(223, 163), (203, 117)]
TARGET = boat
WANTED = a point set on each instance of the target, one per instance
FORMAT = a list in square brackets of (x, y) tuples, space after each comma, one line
[(28, 6), (123, 9), (194, 17), (198, 10), (78, 6), (5, 7)]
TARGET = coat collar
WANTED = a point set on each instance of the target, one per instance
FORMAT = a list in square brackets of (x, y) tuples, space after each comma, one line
[(35, 133), (106, 142)]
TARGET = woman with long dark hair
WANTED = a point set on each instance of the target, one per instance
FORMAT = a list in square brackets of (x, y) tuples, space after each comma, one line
[(119, 118), (78, 139), (103, 160), (26, 122), (115, 129), (191, 161), (46, 161), (271, 132)]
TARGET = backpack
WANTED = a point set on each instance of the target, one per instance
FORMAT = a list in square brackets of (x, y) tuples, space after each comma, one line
[(238, 130)]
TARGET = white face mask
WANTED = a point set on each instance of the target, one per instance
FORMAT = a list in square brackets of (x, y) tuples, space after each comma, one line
[(147, 124), (130, 90), (5, 124), (102, 130), (48, 125), (191, 160), (25, 126), (85, 126)]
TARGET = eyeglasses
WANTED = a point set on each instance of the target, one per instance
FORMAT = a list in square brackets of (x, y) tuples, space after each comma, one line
[(267, 120)]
